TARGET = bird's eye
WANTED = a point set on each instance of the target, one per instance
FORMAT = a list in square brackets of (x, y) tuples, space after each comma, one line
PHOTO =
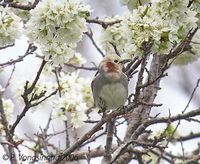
[(116, 61)]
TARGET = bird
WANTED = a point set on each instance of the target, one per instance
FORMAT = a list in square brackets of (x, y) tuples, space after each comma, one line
[(110, 85)]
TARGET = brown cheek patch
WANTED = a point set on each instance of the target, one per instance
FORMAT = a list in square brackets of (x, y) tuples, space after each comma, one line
[(111, 67)]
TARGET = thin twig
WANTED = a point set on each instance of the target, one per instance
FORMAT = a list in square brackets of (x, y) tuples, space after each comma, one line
[(96, 128), (115, 48), (81, 67), (10, 77), (4, 47), (93, 138), (30, 89), (104, 24), (90, 35), (192, 95), (58, 82), (31, 48), (27, 91)]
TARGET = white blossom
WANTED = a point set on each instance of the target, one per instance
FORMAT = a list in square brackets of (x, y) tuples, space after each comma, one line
[(57, 26), (9, 26), (133, 4), (8, 107), (113, 35), (76, 98), (78, 117), (86, 91), (192, 55), (164, 23), (43, 86), (2, 89), (77, 59), (196, 7), (23, 14), (176, 17)]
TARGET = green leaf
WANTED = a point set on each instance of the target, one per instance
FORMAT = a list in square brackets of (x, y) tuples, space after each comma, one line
[(169, 131)]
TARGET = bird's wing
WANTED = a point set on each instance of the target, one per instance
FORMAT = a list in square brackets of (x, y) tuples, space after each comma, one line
[(92, 84), (95, 76), (125, 80)]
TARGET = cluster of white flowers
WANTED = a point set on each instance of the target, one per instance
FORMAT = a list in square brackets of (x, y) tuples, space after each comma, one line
[(176, 17), (57, 26), (164, 22), (137, 29), (8, 107), (76, 98), (9, 26), (196, 7), (23, 14), (40, 87), (113, 35), (77, 59), (192, 55), (133, 4), (128, 35)]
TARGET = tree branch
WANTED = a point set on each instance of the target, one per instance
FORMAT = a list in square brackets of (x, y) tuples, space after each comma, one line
[(27, 91), (103, 23), (20, 6), (96, 128), (81, 67), (90, 35), (30, 50)]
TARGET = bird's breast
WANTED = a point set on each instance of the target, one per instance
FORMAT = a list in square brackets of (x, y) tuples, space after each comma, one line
[(114, 95)]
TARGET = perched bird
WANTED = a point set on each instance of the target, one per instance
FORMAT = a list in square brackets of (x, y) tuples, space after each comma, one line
[(110, 86)]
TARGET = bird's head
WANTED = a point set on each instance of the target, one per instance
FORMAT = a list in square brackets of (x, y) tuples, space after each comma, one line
[(111, 66)]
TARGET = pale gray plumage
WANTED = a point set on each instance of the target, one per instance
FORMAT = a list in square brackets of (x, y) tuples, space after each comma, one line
[(110, 92)]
